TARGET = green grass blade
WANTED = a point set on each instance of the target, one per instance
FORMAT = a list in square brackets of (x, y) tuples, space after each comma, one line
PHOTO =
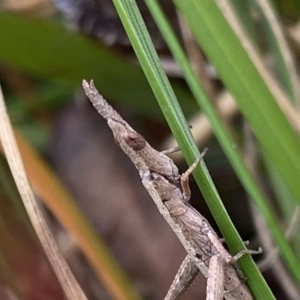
[(224, 138), (246, 84), (159, 83), (254, 98)]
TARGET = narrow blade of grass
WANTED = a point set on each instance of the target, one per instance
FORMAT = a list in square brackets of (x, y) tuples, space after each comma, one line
[(246, 84), (225, 141), (150, 63), (258, 106), (66, 278)]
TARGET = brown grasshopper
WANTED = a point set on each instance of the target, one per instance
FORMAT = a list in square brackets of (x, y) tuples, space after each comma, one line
[(170, 192)]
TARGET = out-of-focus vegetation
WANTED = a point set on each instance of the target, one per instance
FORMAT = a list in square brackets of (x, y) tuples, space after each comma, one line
[(254, 49)]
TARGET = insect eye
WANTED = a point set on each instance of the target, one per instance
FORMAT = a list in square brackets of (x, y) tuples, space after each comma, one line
[(134, 140)]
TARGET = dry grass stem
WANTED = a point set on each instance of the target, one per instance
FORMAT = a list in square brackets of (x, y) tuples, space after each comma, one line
[(276, 28), (60, 267), (271, 253), (278, 94)]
